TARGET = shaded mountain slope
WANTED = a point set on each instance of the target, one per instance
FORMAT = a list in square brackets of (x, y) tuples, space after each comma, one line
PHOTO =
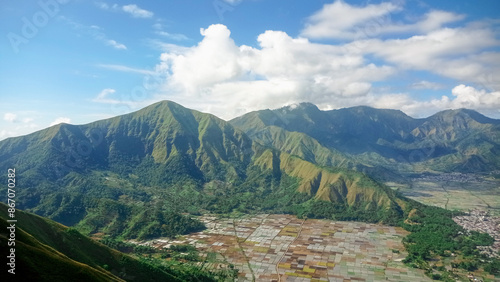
[(47, 250), (453, 140)]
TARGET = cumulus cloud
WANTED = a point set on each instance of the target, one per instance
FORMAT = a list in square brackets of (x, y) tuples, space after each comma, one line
[(21, 122), (281, 71), (339, 20), (470, 97), (344, 21), (10, 117), (218, 76), (462, 96), (60, 120), (450, 52), (7, 133)]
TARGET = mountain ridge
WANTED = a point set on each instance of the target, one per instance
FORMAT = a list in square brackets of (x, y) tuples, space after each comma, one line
[(100, 176), (389, 139)]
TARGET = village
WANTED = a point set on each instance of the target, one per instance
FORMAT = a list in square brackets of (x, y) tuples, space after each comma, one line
[(453, 177), (480, 220)]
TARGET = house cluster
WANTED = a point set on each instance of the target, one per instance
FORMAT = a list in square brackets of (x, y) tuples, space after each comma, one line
[(453, 177), (479, 220)]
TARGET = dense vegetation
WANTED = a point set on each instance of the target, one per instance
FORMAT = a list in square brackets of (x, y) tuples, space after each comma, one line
[(48, 251), (144, 174), (380, 142), (435, 237), (132, 176)]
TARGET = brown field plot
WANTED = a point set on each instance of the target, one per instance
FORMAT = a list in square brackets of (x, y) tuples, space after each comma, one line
[(284, 248)]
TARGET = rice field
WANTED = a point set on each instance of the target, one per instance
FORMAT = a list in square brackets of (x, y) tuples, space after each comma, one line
[(284, 248), (480, 193)]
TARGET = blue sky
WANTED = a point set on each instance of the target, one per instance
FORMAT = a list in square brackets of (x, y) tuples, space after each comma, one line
[(79, 61)]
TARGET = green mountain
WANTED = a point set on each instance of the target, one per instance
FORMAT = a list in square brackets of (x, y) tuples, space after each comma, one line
[(48, 251), (372, 140), (134, 175), (147, 174)]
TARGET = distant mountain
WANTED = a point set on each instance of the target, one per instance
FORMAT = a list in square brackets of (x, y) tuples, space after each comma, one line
[(363, 137), (133, 175)]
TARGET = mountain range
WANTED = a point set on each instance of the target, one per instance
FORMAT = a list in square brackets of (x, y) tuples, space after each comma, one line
[(372, 140), (132, 176)]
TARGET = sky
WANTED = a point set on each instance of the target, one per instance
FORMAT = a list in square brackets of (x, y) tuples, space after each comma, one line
[(78, 61)]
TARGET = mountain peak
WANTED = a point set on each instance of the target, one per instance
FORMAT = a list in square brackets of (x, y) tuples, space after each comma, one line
[(301, 106), (462, 113)]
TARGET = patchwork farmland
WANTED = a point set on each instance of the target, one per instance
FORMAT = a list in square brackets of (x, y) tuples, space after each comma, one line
[(464, 194), (285, 248)]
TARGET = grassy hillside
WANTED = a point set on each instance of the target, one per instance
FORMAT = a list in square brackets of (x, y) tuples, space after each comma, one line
[(36, 261), (48, 250)]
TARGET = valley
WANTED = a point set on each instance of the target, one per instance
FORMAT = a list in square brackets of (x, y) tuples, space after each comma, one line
[(269, 247), (297, 193), (454, 191)]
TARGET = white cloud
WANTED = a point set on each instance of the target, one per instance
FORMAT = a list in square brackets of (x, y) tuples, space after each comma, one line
[(132, 9), (102, 5), (450, 52), (7, 133), (435, 20), (424, 84), (60, 120), (104, 93), (159, 30), (173, 36), (233, 2), (283, 70), (137, 12), (470, 97), (225, 79), (10, 117), (128, 101), (126, 69), (115, 44), (340, 20), (462, 97), (95, 32)]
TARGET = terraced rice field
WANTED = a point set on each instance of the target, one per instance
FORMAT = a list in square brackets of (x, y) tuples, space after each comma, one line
[(285, 248)]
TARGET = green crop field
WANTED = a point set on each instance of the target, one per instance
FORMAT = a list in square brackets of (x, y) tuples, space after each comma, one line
[(479, 193)]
